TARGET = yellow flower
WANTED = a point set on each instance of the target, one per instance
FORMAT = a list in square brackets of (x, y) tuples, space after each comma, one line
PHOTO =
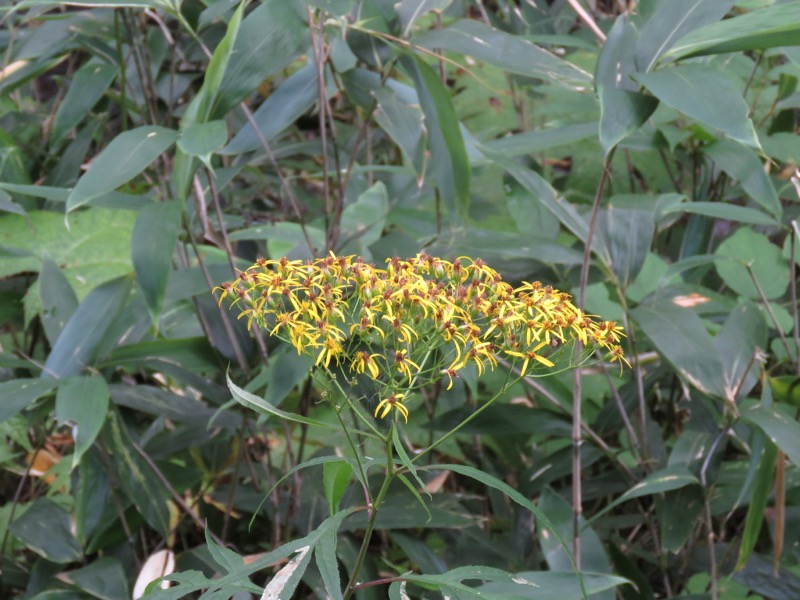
[(454, 313), (394, 401), (616, 355), (402, 330), (402, 363), (530, 355), (303, 336), (451, 373), (477, 353), (364, 361), (331, 348)]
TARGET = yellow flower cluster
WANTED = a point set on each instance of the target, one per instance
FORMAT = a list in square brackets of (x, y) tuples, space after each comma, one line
[(414, 322)]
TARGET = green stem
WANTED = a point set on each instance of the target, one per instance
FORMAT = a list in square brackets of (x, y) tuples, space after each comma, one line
[(463, 423), (354, 450), (373, 514), (363, 419)]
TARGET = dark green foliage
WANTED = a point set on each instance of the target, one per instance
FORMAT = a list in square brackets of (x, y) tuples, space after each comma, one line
[(148, 149)]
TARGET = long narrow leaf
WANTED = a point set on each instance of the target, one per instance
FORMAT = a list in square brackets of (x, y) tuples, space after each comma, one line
[(514, 495), (260, 405)]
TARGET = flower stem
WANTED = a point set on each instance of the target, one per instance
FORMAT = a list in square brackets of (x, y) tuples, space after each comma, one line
[(463, 423), (373, 514)]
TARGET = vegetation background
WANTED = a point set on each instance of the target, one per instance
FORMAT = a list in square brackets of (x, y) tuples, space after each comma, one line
[(640, 154)]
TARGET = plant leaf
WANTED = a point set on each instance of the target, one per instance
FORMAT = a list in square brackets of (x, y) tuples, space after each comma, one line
[(58, 299), (706, 95), (82, 403), (328, 565), (723, 210), (781, 429), (260, 405), (88, 85), (744, 165), (658, 482), (19, 393), (152, 246), (514, 495), (270, 37), (124, 158), (623, 109), (758, 504), (203, 139), (45, 529), (449, 161), (749, 249), (670, 22), (682, 338), (511, 53), (336, 476), (769, 27), (76, 346), (287, 102)]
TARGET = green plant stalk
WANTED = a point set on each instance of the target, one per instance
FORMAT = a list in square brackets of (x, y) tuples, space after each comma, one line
[(344, 394), (474, 415), (354, 450), (362, 553)]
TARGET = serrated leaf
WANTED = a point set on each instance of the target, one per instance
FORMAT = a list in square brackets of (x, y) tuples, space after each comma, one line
[(224, 557), (328, 565), (285, 581)]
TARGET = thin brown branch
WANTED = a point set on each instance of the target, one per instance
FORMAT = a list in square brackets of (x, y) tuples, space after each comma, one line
[(587, 18)]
